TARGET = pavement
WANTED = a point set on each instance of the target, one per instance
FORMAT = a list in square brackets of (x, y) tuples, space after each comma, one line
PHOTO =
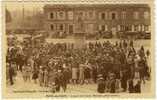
[(30, 87)]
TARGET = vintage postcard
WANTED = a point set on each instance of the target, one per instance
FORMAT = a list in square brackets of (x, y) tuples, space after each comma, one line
[(71, 48)]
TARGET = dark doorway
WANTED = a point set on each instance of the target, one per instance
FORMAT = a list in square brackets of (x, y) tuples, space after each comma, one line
[(71, 29)]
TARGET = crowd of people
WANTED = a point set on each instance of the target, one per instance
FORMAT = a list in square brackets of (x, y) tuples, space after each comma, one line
[(114, 67)]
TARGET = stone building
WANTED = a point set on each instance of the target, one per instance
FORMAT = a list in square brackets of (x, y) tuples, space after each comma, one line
[(95, 18)]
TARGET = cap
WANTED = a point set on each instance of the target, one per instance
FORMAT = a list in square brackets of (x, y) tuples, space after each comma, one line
[(101, 78)]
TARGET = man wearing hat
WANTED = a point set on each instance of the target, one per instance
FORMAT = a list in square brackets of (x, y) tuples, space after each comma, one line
[(57, 80), (65, 78)]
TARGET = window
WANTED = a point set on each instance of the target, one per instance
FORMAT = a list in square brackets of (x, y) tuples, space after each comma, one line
[(136, 27), (122, 28), (61, 27), (71, 29), (102, 15), (123, 15), (61, 15), (125, 28), (103, 27), (90, 14), (113, 16), (80, 15), (51, 15), (146, 15), (128, 28), (52, 27), (70, 15), (146, 28), (136, 15), (139, 27)]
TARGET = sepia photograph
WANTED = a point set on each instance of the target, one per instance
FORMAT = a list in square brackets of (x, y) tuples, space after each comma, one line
[(79, 50)]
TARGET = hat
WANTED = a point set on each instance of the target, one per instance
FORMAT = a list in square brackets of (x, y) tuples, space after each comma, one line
[(101, 78), (59, 71), (40, 66), (100, 75)]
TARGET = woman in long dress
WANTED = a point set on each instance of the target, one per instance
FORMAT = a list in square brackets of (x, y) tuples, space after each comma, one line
[(24, 73), (81, 73), (45, 78)]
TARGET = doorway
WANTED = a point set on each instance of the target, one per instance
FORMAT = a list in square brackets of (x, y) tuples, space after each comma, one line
[(71, 29)]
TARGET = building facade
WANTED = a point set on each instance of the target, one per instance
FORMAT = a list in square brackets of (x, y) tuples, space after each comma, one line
[(95, 18)]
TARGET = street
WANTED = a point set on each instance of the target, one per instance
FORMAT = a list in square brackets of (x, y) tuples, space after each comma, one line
[(30, 87)]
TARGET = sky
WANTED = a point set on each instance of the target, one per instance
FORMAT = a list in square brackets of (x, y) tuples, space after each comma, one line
[(28, 6)]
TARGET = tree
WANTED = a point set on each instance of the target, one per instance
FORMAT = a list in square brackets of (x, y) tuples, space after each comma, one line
[(35, 21)]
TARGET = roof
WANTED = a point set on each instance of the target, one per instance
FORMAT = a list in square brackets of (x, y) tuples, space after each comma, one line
[(50, 6)]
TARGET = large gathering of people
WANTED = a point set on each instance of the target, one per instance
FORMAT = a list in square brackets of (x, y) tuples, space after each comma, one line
[(114, 67)]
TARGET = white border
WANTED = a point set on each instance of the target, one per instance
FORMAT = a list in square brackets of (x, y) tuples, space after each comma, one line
[(115, 1)]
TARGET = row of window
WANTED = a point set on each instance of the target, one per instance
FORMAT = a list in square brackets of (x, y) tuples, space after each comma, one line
[(114, 15), (90, 27), (133, 28), (61, 15), (126, 28), (59, 27)]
